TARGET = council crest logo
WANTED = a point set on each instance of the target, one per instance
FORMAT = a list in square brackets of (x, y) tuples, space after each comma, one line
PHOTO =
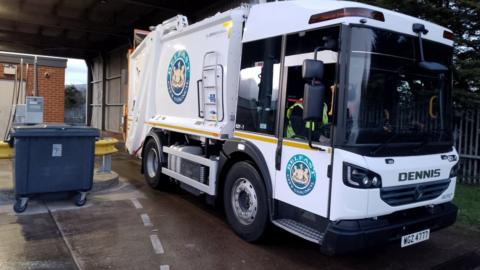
[(301, 175), (178, 76)]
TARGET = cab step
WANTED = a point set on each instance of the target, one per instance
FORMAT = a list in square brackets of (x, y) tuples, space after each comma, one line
[(299, 229)]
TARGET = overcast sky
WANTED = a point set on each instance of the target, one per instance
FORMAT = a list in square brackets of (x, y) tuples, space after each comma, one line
[(76, 72)]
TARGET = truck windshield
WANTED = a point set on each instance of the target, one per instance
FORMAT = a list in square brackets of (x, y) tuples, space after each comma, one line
[(390, 101)]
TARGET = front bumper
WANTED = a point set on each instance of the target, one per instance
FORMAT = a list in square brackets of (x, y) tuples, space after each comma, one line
[(349, 235)]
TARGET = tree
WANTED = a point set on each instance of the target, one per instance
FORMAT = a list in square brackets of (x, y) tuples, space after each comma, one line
[(73, 97), (463, 18)]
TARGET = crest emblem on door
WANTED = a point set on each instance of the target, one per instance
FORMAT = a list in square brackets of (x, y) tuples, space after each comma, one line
[(301, 174), (178, 76)]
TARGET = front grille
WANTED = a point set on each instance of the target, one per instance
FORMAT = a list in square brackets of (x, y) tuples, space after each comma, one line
[(395, 196)]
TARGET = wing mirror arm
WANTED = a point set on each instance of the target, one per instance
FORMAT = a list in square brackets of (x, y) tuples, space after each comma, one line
[(313, 94), (434, 67)]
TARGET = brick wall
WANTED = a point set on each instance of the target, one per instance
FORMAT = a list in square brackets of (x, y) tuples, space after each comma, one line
[(51, 86)]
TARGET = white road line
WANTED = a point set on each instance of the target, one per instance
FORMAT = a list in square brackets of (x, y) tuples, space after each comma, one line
[(156, 244), (136, 203), (146, 220), (164, 267)]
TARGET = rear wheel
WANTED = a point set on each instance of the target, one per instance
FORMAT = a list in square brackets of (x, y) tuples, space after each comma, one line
[(152, 166), (245, 201)]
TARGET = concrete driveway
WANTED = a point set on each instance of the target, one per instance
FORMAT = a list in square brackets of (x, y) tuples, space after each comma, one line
[(130, 226)]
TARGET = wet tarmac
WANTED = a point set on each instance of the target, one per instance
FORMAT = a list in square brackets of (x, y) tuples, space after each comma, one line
[(131, 226)]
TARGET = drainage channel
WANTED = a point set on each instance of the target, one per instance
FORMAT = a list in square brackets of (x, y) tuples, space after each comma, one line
[(67, 244)]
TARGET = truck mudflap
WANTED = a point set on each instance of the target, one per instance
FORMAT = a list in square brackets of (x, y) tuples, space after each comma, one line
[(350, 235)]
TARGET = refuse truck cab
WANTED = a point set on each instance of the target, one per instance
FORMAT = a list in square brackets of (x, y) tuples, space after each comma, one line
[(329, 119)]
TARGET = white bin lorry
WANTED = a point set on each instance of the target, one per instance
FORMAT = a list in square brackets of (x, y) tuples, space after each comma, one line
[(329, 119)]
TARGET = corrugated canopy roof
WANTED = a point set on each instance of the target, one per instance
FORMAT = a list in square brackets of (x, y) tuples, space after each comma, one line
[(83, 28)]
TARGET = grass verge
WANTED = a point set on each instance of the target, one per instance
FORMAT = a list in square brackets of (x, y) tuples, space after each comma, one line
[(467, 198)]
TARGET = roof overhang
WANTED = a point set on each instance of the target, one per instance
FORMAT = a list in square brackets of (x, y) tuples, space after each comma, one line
[(84, 29)]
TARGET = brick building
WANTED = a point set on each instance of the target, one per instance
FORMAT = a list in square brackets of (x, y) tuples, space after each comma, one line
[(50, 83)]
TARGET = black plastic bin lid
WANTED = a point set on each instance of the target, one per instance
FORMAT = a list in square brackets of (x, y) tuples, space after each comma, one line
[(53, 130)]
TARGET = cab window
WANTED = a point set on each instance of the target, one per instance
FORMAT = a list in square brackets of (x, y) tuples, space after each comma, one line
[(301, 46), (259, 84)]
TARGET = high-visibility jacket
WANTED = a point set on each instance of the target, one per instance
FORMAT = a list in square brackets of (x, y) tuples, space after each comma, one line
[(290, 131)]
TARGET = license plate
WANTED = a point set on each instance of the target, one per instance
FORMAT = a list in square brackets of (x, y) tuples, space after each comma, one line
[(413, 238)]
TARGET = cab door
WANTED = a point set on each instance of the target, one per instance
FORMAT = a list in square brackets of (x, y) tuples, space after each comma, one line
[(302, 172)]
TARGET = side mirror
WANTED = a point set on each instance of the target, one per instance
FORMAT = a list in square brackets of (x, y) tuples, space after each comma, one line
[(312, 69), (313, 98)]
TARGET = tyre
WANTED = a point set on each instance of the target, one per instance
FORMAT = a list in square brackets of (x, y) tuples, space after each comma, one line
[(152, 166), (245, 201), (80, 199)]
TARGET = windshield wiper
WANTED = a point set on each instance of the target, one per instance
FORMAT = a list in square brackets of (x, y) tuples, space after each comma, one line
[(383, 144), (428, 138)]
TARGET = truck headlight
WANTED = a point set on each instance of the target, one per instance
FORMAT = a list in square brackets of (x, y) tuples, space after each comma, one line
[(358, 177)]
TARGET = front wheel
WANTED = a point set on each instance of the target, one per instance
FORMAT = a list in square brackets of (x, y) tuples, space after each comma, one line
[(245, 201)]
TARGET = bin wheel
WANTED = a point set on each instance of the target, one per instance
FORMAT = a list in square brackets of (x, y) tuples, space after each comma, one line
[(81, 199), (20, 205)]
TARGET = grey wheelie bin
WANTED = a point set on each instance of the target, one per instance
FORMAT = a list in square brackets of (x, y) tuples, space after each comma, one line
[(51, 159)]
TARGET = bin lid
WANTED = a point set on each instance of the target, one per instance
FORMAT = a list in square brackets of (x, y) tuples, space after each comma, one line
[(53, 130)]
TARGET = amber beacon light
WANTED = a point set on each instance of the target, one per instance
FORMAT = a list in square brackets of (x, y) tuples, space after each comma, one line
[(347, 12)]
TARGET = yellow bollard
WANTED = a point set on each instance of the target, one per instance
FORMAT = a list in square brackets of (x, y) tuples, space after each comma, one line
[(6, 152), (105, 147)]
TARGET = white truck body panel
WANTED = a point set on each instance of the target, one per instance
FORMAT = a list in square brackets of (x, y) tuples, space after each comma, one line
[(141, 100), (261, 24), (352, 203), (151, 104)]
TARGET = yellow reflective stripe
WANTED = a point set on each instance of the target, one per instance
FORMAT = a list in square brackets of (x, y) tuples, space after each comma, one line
[(190, 130), (297, 144), (244, 135), (290, 109)]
